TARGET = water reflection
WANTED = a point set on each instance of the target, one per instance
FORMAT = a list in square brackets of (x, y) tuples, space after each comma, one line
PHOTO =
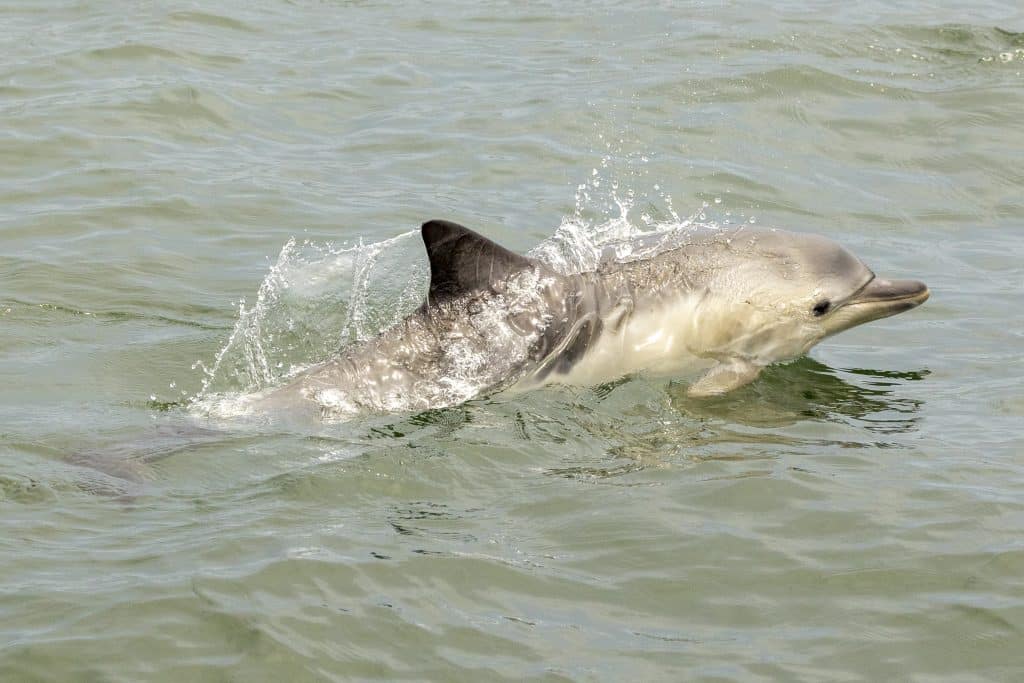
[(807, 389), (635, 425), (431, 520), (600, 433)]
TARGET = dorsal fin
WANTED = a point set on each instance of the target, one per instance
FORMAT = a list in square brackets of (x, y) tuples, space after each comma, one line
[(463, 261)]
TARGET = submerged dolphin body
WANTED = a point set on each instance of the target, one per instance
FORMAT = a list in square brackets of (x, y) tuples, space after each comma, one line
[(726, 302)]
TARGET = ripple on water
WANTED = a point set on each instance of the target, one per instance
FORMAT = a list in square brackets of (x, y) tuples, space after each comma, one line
[(853, 517), (215, 20)]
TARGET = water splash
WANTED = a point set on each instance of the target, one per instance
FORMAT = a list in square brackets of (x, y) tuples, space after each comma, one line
[(617, 218), (319, 298), (315, 299)]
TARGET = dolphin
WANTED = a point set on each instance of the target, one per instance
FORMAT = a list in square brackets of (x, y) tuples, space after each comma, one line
[(718, 304)]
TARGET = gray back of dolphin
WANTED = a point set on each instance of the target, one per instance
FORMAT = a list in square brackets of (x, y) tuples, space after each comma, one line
[(488, 314)]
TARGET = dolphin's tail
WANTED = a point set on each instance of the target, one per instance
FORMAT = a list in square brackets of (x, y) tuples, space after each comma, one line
[(129, 462)]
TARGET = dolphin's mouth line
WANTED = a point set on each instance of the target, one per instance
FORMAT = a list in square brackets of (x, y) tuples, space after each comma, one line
[(853, 297), (893, 292), (908, 298)]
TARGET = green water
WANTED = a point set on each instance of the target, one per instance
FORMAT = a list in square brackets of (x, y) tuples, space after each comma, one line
[(853, 516)]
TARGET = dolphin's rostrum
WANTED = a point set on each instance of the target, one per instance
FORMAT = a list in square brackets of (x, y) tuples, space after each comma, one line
[(725, 302)]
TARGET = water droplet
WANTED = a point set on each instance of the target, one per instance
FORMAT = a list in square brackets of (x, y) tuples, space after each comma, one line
[(752, 219), (718, 200)]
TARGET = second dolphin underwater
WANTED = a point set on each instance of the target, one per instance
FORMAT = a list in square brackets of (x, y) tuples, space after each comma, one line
[(724, 302)]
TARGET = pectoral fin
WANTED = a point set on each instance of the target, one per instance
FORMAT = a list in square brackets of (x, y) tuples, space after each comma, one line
[(723, 378)]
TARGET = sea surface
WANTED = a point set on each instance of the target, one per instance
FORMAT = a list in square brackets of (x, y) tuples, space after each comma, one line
[(197, 199)]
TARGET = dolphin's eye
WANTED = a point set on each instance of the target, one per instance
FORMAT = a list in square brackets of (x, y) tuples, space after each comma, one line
[(821, 308)]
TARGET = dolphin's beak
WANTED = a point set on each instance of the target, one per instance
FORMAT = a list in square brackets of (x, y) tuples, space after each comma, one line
[(900, 295), (881, 298)]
